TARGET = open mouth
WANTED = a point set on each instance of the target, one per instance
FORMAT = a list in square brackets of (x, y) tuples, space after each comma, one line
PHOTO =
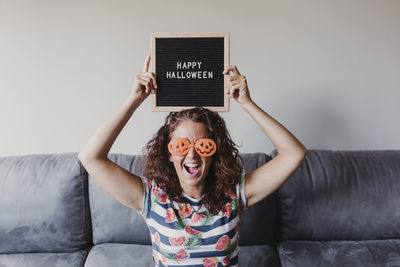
[(192, 168)]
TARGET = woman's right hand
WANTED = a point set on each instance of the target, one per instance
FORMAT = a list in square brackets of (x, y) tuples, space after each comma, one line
[(145, 82)]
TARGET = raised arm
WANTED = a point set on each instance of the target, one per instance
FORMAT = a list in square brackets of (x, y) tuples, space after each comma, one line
[(121, 184), (270, 176)]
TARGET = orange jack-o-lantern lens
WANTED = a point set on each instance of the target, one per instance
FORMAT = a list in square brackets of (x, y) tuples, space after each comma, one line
[(205, 147), (179, 146)]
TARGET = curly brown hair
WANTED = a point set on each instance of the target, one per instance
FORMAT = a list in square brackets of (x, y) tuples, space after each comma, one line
[(226, 167)]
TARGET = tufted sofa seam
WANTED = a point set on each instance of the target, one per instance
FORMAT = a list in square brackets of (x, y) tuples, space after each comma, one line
[(83, 261), (83, 200), (281, 251), (86, 234)]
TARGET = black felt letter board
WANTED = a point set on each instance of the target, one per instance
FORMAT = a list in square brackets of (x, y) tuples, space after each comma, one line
[(189, 72)]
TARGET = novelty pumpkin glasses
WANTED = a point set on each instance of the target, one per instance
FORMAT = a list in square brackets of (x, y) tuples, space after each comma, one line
[(205, 147)]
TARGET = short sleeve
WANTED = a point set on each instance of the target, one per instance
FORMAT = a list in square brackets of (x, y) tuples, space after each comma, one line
[(240, 191), (147, 184)]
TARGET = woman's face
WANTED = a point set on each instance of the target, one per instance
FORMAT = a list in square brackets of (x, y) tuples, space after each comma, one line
[(192, 178)]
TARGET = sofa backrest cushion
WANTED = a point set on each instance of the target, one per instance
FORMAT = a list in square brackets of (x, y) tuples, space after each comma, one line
[(342, 195), (258, 223), (115, 223), (112, 222), (43, 204)]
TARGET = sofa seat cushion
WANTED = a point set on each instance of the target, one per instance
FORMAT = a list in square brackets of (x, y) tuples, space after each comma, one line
[(340, 253), (118, 255), (70, 259), (259, 255)]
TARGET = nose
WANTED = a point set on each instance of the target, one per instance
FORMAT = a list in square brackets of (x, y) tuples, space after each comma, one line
[(192, 152)]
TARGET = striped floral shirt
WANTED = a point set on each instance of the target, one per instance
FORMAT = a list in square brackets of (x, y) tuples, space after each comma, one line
[(187, 234)]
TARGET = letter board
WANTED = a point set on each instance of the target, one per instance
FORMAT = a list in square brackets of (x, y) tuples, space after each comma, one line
[(188, 69)]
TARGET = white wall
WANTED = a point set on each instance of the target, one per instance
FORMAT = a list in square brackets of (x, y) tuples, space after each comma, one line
[(329, 71)]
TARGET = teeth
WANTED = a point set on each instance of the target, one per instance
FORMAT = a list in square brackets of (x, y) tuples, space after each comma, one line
[(192, 165)]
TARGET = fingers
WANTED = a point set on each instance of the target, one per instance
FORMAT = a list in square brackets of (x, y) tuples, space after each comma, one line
[(232, 68), (152, 76), (233, 80), (149, 78), (147, 62), (237, 79), (146, 82), (236, 83), (143, 83), (233, 92)]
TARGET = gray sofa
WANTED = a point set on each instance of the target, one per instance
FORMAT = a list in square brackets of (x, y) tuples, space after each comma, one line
[(340, 208)]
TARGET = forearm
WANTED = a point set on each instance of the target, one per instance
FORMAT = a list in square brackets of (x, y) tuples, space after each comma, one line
[(284, 141), (101, 141)]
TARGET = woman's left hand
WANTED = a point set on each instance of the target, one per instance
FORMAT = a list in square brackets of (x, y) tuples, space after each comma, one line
[(237, 85)]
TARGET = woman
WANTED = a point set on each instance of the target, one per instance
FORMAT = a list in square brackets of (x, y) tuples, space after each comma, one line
[(193, 189)]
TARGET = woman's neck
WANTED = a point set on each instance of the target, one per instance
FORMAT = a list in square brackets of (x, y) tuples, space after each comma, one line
[(193, 192)]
